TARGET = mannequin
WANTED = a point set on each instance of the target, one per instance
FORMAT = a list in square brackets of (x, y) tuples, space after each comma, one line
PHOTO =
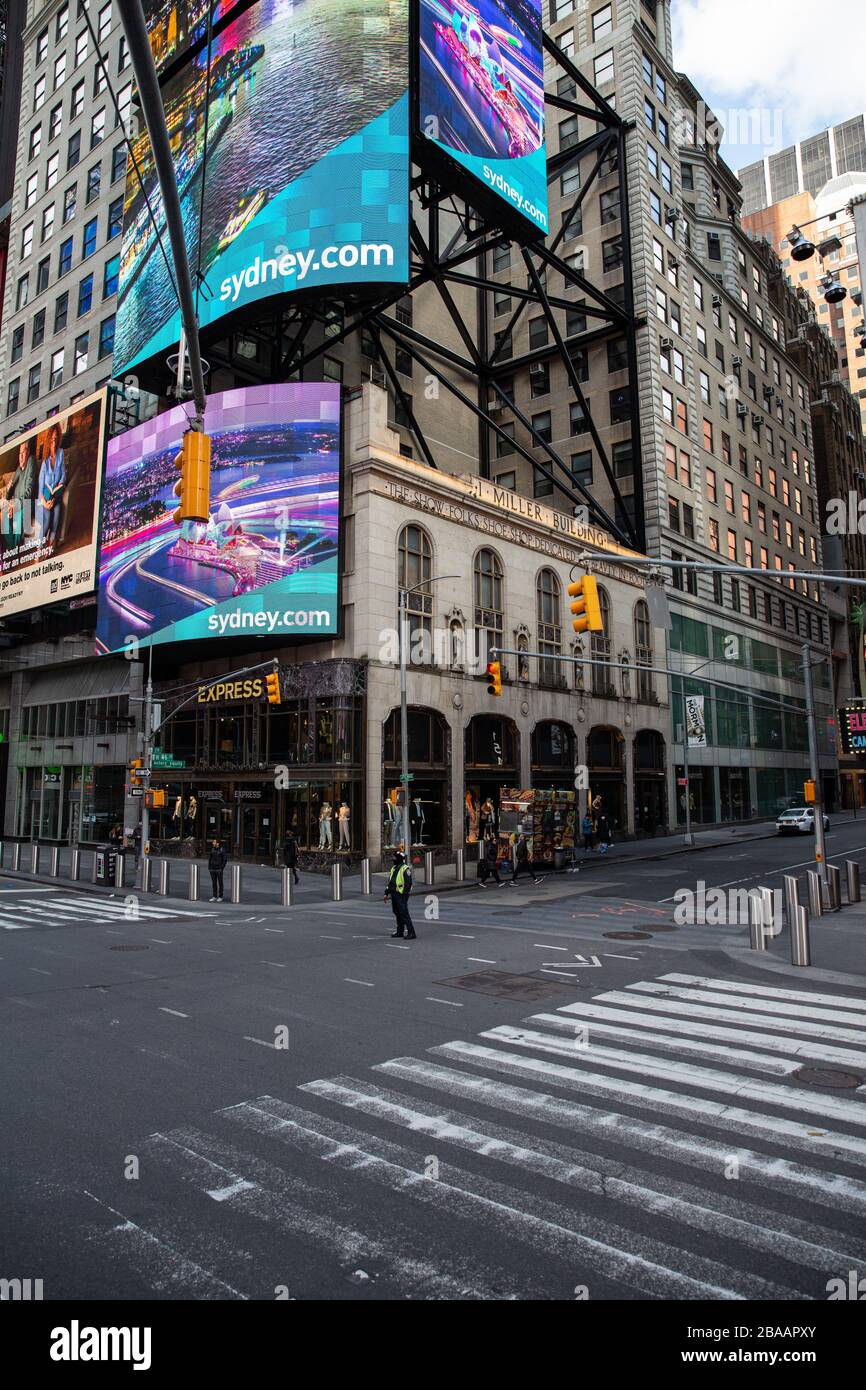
[(325, 832), (471, 819), (417, 818), (389, 821), (343, 822)]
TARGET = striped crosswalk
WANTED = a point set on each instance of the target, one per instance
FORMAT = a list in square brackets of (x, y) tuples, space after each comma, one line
[(632, 1151), (53, 907)]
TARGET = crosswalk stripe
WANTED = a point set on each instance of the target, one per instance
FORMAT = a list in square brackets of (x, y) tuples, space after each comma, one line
[(651, 1266), (763, 1006), (671, 1007), (833, 1190), (142, 906), (794, 1240), (305, 1211), (709, 1111), (664, 1042), (817, 1052), (792, 996), (724, 1082)]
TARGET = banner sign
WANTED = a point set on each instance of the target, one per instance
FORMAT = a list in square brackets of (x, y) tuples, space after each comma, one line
[(696, 729)]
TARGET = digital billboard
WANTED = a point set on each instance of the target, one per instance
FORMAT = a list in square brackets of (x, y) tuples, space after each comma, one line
[(291, 144), (265, 563), (175, 25), (49, 508), (481, 98)]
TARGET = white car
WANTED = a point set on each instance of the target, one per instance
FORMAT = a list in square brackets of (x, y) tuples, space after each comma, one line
[(801, 818)]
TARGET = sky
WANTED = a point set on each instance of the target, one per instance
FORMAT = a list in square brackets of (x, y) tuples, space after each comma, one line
[(796, 67)]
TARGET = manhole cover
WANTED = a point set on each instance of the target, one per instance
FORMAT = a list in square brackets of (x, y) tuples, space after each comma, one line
[(505, 985), (129, 946), (628, 935), (821, 1076)]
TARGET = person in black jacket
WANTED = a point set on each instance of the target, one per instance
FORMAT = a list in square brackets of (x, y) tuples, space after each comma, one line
[(290, 855), (521, 860), (491, 856), (216, 863)]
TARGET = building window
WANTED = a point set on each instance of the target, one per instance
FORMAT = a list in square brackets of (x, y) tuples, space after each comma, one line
[(82, 42), (88, 243), (489, 605), (115, 222), (47, 222), (104, 28), (94, 179), (70, 201), (581, 467), (603, 68), (110, 277), (34, 380), (609, 206), (602, 22), (43, 272), (548, 595), (82, 343), (118, 162), (39, 93), (22, 293), (97, 128), (17, 348), (12, 396), (106, 337), (61, 311), (600, 649), (415, 569), (73, 150), (568, 133), (620, 405), (714, 246), (643, 645), (85, 295), (76, 105), (56, 378)]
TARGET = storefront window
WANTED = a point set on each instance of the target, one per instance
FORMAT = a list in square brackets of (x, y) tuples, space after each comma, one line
[(549, 616), (429, 755), (701, 792)]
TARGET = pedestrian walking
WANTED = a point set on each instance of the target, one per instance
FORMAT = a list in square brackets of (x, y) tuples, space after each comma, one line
[(521, 860), (398, 890), (290, 854), (587, 829), (216, 863), (490, 862), (604, 833)]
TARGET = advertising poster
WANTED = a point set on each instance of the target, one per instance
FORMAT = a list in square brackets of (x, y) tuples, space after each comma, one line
[(696, 728), (481, 75), (265, 563), (49, 508), (291, 144)]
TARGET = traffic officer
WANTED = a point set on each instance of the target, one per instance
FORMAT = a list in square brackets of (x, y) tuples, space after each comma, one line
[(398, 890)]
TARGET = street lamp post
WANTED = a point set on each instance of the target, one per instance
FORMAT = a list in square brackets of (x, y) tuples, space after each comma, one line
[(402, 642)]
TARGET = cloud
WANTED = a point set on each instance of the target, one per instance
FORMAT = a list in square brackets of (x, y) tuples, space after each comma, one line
[(792, 57)]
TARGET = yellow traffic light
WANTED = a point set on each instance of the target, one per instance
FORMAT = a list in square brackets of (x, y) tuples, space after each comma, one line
[(808, 791), (586, 608), (272, 685), (193, 485), (155, 798), (494, 672), (135, 773)]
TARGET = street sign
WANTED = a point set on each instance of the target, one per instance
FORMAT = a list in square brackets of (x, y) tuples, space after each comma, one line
[(410, 777), (136, 791), (682, 781), (160, 759)]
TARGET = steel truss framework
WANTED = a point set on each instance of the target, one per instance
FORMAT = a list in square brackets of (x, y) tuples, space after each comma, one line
[(308, 329)]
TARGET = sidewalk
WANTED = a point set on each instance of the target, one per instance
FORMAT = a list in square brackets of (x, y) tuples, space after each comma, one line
[(260, 883)]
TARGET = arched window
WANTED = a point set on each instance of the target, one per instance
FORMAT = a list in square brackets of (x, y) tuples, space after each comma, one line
[(414, 571), (643, 648), (600, 649), (548, 594), (488, 600)]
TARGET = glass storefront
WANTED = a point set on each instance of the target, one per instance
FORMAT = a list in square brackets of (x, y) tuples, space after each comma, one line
[(650, 782), (429, 789), (702, 795), (553, 757), (491, 752), (605, 760), (70, 804)]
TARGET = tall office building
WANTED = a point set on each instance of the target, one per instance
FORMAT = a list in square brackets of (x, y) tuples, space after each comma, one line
[(805, 167)]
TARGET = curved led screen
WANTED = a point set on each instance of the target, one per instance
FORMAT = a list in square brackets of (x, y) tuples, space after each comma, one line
[(265, 563), (481, 97), (290, 137)]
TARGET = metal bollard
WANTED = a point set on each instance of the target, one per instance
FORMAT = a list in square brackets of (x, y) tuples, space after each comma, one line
[(816, 893), (366, 878), (34, 859), (119, 869), (75, 866), (337, 882), (768, 904), (54, 861), (429, 868), (235, 889), (460, 865), (834, 883), (93, 868), (16, 855), (792, 899), (757, 940), (163, 878), (287, 895), (192, 882), (852, 873), (801, 953), (146, 866)]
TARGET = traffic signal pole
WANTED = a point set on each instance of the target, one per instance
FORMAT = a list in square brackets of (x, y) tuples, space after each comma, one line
[(815, 770), (144, 68)]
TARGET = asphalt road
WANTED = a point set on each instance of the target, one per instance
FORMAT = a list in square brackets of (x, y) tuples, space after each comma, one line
[(228, 1104)]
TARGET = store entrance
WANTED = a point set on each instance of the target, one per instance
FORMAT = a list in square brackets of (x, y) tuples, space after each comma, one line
[(256, 833)]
